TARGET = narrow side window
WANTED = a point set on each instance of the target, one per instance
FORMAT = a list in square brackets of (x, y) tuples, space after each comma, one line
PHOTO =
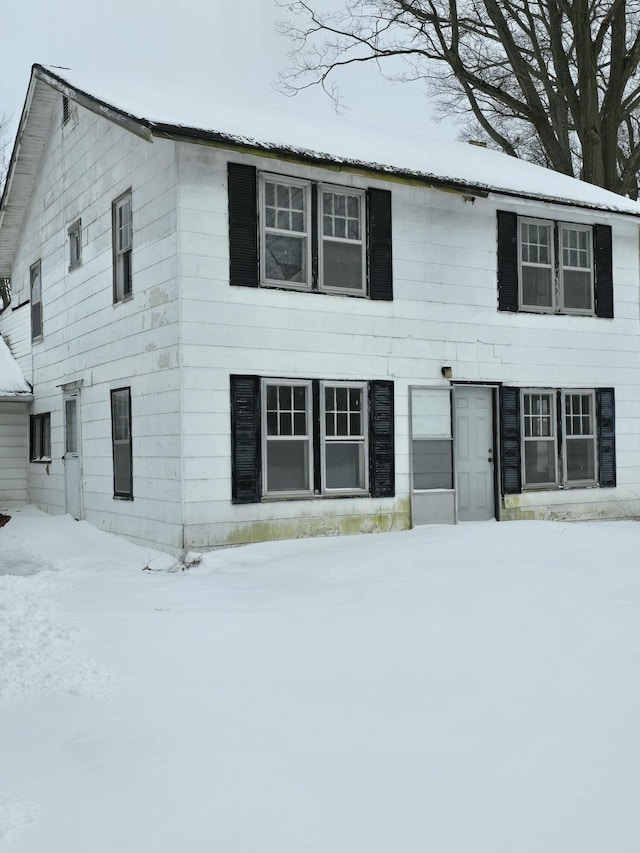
[(40, 429), (75, 244), (122, 247), (121, 441), (35, 277)]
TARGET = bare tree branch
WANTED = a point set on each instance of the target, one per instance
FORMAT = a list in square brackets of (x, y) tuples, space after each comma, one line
[(553, 81)]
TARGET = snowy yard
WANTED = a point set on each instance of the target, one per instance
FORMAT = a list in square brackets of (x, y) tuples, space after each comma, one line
[(470, 689)]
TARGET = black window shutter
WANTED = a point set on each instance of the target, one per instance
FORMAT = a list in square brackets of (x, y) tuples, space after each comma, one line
[(245, 439), (243, 225), (603, 270), (507, 261), (606, 414), (381, 440), (380, 244), (510, 440)]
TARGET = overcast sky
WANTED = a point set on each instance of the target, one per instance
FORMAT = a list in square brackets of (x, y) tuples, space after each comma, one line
[(231, 43)]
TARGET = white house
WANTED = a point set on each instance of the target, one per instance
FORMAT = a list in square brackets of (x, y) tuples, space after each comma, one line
[(236, 337)]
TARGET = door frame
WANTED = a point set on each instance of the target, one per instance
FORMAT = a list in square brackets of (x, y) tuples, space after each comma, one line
[(497, 460), (72, 391)]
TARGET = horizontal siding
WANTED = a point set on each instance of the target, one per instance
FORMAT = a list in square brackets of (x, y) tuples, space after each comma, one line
[(14, 452)]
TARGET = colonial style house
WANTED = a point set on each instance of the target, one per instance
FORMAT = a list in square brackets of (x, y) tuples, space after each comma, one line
[(233, 338)]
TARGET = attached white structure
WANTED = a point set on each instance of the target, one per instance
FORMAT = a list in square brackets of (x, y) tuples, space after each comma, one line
[(15, 395), (232, 340)]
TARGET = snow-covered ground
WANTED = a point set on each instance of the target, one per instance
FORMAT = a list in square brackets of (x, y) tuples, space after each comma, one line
[(470, 689)]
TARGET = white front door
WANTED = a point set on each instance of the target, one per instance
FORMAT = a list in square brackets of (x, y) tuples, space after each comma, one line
[(72, 458), (474, 453)]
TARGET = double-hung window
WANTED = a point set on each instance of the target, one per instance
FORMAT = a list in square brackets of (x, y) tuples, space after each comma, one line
[(579, 437), (122, 247), (547, 267), (576, 269), (121, 441), (539, 439), (286, 244), (307, 235), (342, 255), (40, 450), (294, 438), (288, 457), (559, 438), (35, 278), (290, 427), (343, 437)]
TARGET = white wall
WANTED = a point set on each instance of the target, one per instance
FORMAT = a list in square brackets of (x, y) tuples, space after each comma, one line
[(14, 449), (87, 164), (444, 312)]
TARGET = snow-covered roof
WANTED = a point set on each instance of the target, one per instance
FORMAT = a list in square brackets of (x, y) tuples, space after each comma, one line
[(12, 383), (164, 106)]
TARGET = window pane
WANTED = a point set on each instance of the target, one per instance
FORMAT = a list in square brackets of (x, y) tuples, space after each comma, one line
[(537, 287), (299, 398), (344, 466), (341, 399), (577, 289), (46, 436), (70, 427), (300, 423), (120, 413), (122, 468), (286, 423), (287, 466), (580, 459), (285, 258), (430, 412), (432, 464), (342, 265), (539, 462), (284, 396), (272, 423)]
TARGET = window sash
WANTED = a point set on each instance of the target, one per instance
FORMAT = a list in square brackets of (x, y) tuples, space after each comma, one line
[(279, 225), (352, 248), (542, 438), (274, 441), (121, 443), (40, 438), (343, 414)]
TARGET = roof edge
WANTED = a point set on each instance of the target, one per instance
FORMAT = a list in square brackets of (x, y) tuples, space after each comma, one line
[(134, 124), (199, 135)]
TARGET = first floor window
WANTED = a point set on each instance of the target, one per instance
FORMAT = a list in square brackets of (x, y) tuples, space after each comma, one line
[(35, 277), (343, 437), (121, 441), (578, 409), (40, 437), (303, 234), (297, 437), (122, 247), (288, 455), (559, 438)]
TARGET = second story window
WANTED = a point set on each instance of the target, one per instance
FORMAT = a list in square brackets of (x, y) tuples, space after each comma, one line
[(122, 247), (288, 232), (550, 267), (35, 277), (75, 244)]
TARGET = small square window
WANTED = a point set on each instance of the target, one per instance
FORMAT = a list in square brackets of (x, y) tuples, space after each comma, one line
[(75, 244), (40, 429)]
